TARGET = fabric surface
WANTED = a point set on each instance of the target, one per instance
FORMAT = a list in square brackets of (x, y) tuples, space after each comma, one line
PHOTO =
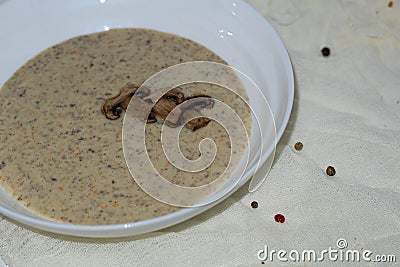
[(346, 113)]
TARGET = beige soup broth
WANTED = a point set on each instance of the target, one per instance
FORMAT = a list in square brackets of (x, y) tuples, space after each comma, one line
[(63, 159)]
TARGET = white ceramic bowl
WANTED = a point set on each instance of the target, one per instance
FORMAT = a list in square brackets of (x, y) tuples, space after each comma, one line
[(231, 28)]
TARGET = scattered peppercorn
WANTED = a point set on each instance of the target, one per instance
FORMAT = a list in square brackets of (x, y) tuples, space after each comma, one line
[(113, 182), (325, 51), (54, 179), (279, 218), (254, 204), (330, 171), (390, 4), (298, 146)]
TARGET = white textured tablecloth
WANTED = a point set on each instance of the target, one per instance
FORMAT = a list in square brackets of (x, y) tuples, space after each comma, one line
[(346, 113)]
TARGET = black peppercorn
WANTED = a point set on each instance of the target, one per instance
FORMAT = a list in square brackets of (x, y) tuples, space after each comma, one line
[(298, 146), (330, 171), (254, 204), (325, 51)]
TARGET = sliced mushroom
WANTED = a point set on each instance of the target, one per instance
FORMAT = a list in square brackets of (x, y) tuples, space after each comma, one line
[(113, 107), (196, 123), (175, 95), (192, 109), (163, 108), (202, 101), (173, 99)]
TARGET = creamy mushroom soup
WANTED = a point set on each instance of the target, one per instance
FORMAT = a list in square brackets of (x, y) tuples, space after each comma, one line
[(62, 158)]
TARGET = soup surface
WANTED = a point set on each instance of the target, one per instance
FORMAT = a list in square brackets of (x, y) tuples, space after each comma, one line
[(63, 159)]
